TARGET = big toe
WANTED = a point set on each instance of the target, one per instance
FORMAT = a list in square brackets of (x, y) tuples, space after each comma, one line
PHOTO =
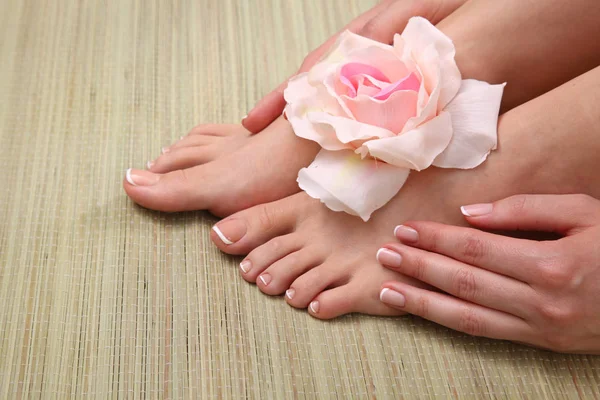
[(181, 190), (246, 230)]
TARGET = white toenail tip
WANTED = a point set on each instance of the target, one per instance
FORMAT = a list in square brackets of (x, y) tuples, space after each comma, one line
[(263, 280), (128, 177), (164, 150), (244, 117), (382, 292), (149, 164), (312, 307), (288, 294), (242, 266), (221, 236)]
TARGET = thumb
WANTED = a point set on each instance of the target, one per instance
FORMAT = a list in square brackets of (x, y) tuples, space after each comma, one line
[(563, 214)]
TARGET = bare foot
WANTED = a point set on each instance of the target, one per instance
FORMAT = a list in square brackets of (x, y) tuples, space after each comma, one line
[(326, 261), (223, 169)]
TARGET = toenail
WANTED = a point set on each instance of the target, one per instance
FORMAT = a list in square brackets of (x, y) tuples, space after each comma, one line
[(245, 265), (149, 164), (165, 150), (265, 279), (392, 298), (389, 258), (137, 177), (314, 307), (290, 293), (406, 234), (230, 231)]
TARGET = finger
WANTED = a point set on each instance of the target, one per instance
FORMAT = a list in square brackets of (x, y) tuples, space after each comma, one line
[(516, 258), (455, 313), (563, 214), (271, 106), (464, 281)]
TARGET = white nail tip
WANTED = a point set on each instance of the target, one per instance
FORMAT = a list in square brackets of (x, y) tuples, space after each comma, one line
[(288, 293), (396, 229), (379, 252), (312, 308), (464, 211), (382, 292), (128, 177), (244, 117), (149, 164), (263, 280), (221, 236), (242, 266)]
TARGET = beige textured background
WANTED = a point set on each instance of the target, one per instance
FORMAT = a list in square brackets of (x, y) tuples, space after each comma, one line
[(99, 297)]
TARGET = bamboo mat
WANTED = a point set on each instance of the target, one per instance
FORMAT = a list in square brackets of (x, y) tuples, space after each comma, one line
[(101, 298)]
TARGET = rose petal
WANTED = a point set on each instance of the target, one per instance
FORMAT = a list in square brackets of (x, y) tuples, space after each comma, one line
[(417, 37), (345, 182), (415, 149), (346, 130), (474, 113), (410, 82), (385, 60), (390, 114)]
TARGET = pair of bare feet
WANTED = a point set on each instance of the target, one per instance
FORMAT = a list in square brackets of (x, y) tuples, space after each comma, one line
[(326, 261)]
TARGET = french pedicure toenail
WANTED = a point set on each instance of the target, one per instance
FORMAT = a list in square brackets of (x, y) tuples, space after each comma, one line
[(290, 293), (149, 164), (389, 257), (392, 298), (406, 234), (477, 210), (230, 231), (245, 265), (165, 150), (137, 177), (265, 279), (314, 307)]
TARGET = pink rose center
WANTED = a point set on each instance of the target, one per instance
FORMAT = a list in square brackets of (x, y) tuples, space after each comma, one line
[(374, 82)]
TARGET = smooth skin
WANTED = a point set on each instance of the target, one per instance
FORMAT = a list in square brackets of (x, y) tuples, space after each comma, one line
[(542, 293)]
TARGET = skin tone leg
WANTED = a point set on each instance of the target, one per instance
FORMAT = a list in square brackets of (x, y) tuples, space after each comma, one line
[(224, 169), (326, 261)]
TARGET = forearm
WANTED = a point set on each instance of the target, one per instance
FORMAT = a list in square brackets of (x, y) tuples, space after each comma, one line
[(533, 45)]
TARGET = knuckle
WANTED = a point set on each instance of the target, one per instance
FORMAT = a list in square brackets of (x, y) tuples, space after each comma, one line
[(463, 283), (422, 307), (471, 323), (554, 272), (473, 249), (557, 314), (419, 267), (519, 204)]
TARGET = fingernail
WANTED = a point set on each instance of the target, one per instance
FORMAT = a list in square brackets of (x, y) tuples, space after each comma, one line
[(314, 307), (265, 279), (406, 234), (245, 265), (165, 150), (230, 231), (290, 293), (389, 257), (477, 210), (149, 164), (138, 177), (391, 297)]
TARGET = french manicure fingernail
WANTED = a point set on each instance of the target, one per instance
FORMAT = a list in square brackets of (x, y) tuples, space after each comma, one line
[(314, 307), (290, 293), (406, 234), (265, 279), (137, 177), (391, 297), (389, 257), (245, 265), (230, 231), (149, 164), (477, 210)]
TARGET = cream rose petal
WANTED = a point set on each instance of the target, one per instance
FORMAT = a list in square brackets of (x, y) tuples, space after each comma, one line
[(346, 130), (345, 182), (474, 113), (415, 149)]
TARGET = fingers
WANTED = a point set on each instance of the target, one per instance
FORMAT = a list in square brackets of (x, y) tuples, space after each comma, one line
[(464, 281), (563, 214), (516, 258), (455, 313)]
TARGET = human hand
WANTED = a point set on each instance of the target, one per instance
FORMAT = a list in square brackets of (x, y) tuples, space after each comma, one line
[(541, 293), (379, 23)]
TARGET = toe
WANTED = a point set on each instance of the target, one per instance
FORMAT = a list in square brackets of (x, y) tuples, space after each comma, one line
[(307, 286), (181, 190), (219, 130), (183, 158), (265, 255), (277, 278), (195, 141), (248, 229)]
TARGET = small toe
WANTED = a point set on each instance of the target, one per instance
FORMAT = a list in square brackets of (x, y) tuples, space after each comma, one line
[(265, 255), (219, 130), (183, 158), (246, 230), (308, 285), (277, 278)]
